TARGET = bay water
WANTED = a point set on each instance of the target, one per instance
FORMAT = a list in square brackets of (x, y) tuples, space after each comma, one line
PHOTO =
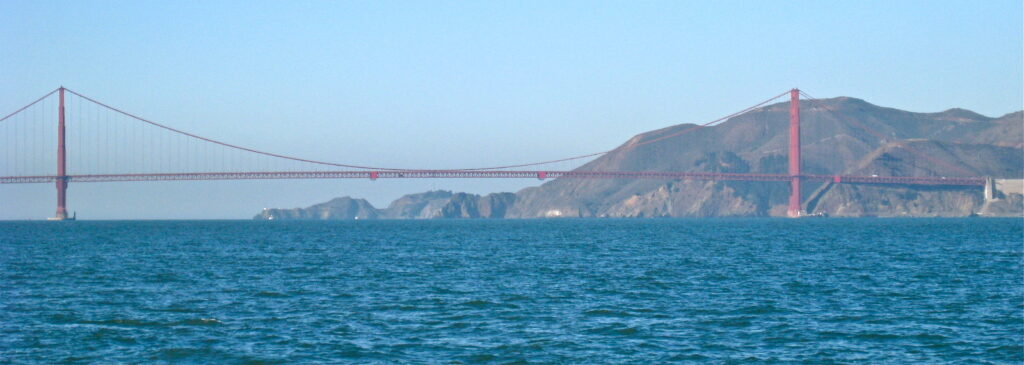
[(513, 291)]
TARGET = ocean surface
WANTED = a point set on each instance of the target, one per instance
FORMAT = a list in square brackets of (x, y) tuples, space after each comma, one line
[(514, 291)]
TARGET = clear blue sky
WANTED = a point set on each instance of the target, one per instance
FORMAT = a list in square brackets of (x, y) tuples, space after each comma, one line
[(451, 84)]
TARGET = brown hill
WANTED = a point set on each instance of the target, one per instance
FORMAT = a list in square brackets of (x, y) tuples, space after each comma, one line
[(834, 142)]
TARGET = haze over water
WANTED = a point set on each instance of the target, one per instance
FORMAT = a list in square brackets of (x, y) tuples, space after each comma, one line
[(571, 291)]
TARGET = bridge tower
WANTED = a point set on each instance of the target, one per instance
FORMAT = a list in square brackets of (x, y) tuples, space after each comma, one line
[(62, 176), (794, 154)]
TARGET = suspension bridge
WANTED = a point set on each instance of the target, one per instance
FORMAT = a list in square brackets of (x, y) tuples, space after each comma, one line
[(64, 137)]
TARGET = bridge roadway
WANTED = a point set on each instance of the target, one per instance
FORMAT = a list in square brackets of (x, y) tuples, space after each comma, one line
[(499, 174)]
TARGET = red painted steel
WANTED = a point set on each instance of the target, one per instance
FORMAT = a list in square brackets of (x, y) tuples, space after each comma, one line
[(29, 105), (621, 148), (61, 178), (504, 174), (794, 176), (794, 153)]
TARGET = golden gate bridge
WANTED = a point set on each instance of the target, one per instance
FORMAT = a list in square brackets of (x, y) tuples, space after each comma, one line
[(90, 141)]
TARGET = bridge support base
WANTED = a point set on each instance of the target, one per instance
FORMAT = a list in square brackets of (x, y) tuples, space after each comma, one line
[(62, 193)]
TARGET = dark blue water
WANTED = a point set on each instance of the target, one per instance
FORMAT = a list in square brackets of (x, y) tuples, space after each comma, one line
[(564, 291)]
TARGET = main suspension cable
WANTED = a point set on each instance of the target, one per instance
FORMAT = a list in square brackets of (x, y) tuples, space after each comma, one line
[(363, 167), (29, 105)]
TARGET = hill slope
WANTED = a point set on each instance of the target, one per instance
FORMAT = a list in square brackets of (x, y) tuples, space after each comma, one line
[(833, 143)]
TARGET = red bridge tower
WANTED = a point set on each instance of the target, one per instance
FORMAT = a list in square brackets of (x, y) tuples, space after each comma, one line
[(62, 176), (794, 154)]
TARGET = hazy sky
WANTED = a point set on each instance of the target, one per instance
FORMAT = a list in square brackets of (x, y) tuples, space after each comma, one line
[(463, 84)]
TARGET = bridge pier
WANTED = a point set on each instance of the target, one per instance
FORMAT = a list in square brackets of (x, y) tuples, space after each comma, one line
[(794, 210)]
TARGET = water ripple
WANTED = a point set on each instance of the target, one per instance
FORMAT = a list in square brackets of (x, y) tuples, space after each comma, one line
[(513, 292)]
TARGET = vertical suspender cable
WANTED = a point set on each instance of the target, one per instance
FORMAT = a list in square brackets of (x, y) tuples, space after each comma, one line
[(17, 144)]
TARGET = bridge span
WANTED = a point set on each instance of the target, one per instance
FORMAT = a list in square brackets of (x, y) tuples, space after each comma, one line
[(111, 145), (501, 174)]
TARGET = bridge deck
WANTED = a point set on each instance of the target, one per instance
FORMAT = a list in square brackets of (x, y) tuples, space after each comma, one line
[(476, 174)]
